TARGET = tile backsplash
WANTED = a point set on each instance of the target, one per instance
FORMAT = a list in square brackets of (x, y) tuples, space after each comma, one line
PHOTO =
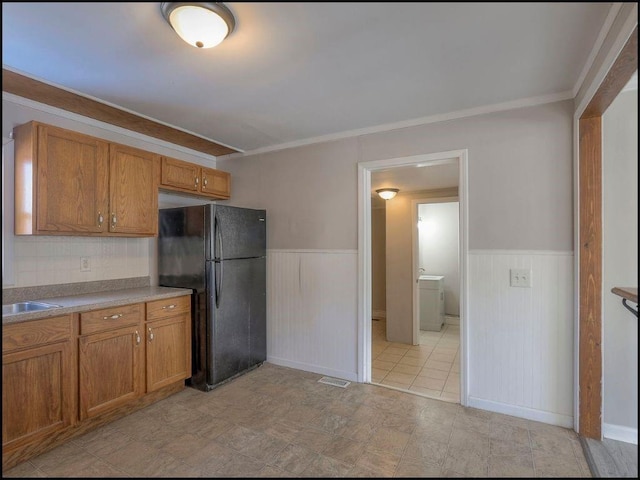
[(55, 260)]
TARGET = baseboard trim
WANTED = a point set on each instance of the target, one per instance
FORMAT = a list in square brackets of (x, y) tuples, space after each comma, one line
[(560, 420), (351, 376), (620, 433)]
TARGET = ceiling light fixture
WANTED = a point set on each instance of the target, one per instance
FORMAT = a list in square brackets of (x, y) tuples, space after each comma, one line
[(387, 193), (201, 24)]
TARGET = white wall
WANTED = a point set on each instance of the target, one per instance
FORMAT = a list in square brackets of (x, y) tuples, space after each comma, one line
[(438, 247), (46, 260), (620, 266)]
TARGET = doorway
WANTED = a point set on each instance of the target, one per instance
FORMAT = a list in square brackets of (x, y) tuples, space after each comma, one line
[(406, 330), (436, 255)]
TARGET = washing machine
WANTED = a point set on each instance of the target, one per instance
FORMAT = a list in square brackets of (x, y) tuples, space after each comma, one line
[(431, 302)]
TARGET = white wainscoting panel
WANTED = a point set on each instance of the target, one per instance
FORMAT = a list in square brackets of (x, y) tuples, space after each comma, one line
[(312, 310), (521, 339)]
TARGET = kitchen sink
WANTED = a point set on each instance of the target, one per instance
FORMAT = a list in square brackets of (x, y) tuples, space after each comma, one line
[(27, 307)]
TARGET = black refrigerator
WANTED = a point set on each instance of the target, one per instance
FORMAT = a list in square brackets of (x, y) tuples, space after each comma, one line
[(219, 252)]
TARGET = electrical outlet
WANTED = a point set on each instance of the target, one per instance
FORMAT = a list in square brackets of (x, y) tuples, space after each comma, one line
[(520, 277), (85, 264)]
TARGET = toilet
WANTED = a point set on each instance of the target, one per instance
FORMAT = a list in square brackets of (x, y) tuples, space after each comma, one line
[(431, 302)]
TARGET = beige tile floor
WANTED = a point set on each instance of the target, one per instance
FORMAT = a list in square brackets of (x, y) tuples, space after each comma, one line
[(280, 422), (431, 368)]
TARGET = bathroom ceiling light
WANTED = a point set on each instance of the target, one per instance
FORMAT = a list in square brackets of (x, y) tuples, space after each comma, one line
[(201, 24), (387, 193)]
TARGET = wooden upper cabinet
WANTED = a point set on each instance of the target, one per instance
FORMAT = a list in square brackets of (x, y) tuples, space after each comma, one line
[(133, 192), (61, 181), (215, 183), (68, 183), (180, 176)]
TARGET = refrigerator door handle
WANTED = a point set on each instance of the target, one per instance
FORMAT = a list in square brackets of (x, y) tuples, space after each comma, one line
[(219, 272), (217, 279), (219, 253)]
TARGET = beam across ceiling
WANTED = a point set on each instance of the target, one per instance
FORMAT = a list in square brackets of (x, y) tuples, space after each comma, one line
[(38, 91)]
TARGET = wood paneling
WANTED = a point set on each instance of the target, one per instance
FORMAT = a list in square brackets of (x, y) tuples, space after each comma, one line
[(27, 87), (590, 232), (617, 77), (590, 183)]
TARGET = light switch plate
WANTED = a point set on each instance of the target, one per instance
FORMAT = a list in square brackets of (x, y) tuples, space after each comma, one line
[(520, 277)]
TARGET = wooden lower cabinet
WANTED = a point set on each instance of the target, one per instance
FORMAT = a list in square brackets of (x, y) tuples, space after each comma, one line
[(63, 376), (38, 381), (168, 332), (111, 370)]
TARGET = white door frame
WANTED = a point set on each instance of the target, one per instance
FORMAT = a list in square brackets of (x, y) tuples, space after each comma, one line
[(364, 255), (415, 252)]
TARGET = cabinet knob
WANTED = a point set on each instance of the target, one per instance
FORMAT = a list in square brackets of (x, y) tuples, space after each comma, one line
[(150, 335), (197, 181), (173, 305), (137, 338), (205, 182), (114, 220), (113, 317), (100, 219)]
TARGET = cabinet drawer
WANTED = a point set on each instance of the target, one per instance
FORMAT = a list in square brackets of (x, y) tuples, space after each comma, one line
[(36, 332), (108, 318), (168, 307)]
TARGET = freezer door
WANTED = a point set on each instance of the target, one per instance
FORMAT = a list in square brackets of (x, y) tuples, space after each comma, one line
[(238, 232), (181, 247), (237, 297)]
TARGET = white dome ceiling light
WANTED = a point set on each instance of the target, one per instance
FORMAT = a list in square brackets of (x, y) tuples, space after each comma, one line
[(201, 24)]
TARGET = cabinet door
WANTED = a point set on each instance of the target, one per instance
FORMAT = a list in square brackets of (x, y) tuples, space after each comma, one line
[(168, 351), (111, 370), (37, 391), (133, 191), (73, 182), (180, 175), (215, 183)]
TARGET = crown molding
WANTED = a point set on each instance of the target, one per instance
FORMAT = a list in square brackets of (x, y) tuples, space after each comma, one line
[(65, 99)]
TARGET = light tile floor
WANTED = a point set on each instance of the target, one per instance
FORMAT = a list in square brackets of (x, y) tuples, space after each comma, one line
[(280, 422), (431, 368)]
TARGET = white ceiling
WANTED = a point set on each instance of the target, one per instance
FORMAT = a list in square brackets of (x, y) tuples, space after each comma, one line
[(297, 71)]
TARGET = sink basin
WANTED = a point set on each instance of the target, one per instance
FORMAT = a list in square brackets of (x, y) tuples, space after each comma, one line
[(26, 307)]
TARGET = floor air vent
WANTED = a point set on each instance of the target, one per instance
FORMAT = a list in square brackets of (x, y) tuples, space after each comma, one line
[(336, 382)]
